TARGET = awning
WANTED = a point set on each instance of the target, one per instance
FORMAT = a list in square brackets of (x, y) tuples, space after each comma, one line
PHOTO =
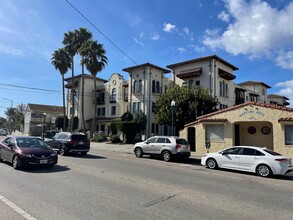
[(196, 72)]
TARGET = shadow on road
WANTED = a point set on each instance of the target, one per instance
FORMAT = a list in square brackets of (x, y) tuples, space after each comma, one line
[(45, 169), (88, 156)]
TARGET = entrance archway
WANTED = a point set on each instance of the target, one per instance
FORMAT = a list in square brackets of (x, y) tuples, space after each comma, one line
[(254, 133)]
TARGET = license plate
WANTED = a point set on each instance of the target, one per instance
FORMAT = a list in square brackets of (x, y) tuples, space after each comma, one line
[(81, 142), (43, 161)]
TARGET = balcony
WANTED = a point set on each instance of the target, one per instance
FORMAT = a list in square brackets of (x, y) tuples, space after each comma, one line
[(113, 99)]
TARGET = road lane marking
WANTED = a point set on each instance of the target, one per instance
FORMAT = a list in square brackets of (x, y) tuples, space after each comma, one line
[(20, 211)]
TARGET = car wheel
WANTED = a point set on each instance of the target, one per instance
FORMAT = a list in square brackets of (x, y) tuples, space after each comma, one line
[(138, 152), (63, 151), (263, 170), (212, 163), (15, 162), (83, 153), (1, 160), (166, 155)]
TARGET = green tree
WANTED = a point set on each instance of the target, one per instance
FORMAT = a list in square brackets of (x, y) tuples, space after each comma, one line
[(61, 122), (95, 60), (189, 103), (3, 122), (70, 42), (82, 36), (62, 62), (127, 116)]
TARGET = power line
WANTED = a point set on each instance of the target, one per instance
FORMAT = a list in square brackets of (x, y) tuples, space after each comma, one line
[(28, 88), (101, 32)]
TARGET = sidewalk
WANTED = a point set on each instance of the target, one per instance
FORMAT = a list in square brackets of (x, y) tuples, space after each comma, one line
[(126, 148)]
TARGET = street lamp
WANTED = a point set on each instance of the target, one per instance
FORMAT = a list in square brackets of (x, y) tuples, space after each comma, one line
[(44, 125), (173, 127)]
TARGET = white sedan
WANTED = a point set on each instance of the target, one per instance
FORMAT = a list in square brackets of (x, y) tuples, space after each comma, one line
[(262, 161)]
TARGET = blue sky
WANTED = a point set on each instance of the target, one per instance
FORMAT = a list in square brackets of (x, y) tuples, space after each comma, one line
[(256, 36)]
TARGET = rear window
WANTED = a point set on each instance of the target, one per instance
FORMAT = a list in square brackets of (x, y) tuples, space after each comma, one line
[(77, 137), (181, 141), (272, 152)]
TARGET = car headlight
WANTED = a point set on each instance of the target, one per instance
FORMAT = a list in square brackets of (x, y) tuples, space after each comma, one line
[(53, 154)]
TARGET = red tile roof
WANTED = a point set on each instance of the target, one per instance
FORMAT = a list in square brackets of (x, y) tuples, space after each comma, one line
[(285, 119)]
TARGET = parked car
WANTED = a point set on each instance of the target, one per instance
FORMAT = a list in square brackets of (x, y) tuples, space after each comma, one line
[(166, 146), (26, 150), (3, 131), (262, 161), (49, 134), (67, 142)]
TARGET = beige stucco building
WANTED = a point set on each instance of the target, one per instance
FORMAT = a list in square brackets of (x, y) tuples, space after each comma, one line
[(250, 123)]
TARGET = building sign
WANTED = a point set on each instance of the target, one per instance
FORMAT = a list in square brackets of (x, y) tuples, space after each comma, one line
[(251, 113)]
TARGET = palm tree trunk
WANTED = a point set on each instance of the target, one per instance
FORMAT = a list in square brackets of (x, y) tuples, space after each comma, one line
[(72, 92), (63, 94), (82, 98), (95, 107)]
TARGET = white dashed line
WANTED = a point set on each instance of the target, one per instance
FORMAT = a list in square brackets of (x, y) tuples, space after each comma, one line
[(23, 213)]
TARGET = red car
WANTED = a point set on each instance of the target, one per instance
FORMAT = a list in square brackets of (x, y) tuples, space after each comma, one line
[(26, 150)]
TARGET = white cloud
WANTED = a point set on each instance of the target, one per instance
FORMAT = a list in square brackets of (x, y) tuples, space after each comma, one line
[(155, 36), (287, 91), (138, 42), (255, 29), (169, 27), (11, 51), (285, 59), (224, 16), (181, 50), (197, 48)]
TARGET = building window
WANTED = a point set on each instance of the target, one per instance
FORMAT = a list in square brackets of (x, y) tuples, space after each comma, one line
[(114, 95), (263, 92), (288, 134), (214, 132), (197, 84), (251, 130), (113, 110), (158, 87), (221, 88), (190, 83), (153, 106), (138, 106), (134, 86), (101, 111), (134, 107), (139, 89), (153, 86)]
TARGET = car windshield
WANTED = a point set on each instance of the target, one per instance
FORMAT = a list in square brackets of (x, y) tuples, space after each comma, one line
[(30, 142), (272, 152)]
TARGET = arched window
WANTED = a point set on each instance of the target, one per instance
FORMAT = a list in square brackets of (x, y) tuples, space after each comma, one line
[(134, 86), (114, 94), (139, 89), (153, 86), (190, 84), (158, 87)]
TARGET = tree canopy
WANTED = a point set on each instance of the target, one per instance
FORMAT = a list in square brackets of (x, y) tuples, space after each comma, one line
[(189, 103)]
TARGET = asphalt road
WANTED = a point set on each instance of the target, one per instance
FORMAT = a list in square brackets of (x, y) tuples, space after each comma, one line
[(110, 183)]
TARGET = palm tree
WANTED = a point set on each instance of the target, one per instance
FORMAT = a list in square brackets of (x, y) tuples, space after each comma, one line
[(62, 62), (83, 35), (95, 61), (70, 43)]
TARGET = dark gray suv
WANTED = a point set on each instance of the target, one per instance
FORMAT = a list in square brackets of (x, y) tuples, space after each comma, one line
[(67, 142), (166, 146)]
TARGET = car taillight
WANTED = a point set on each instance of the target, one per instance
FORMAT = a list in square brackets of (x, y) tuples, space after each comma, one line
[(178, 146), (72, 142), (282, 160)]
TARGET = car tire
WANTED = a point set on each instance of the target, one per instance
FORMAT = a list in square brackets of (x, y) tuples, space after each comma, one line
[(166, 155), (212, 163), (15, 162), (63, 151), (52, 165), (138, 152), (83, 153), (263, 170)]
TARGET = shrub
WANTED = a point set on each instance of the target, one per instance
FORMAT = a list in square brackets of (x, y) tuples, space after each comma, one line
[(100, 137), (115, 139)]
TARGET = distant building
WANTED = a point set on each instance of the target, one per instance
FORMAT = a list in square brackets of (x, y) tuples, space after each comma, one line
[(37, 116)]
